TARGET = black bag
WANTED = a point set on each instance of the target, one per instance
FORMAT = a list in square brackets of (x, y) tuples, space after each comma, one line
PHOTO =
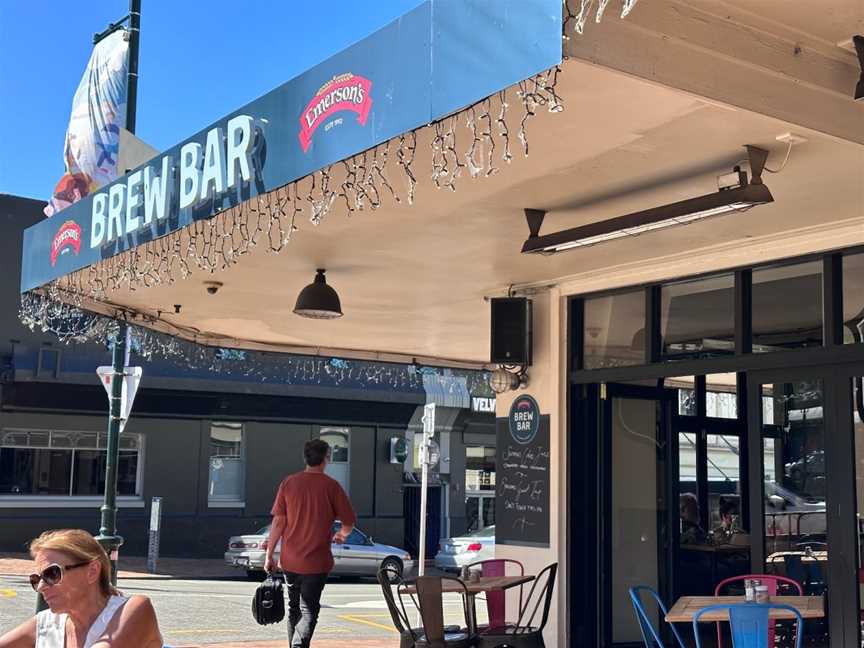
[(268, 604)]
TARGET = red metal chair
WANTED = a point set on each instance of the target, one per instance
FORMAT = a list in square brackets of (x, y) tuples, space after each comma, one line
[(496, 601), (771, 582)]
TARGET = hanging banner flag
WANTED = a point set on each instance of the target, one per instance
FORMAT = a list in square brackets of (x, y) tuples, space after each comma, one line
[(98, 114)]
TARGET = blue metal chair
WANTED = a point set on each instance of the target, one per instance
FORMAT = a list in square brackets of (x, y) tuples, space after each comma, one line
[(650, 635), (749, 623)]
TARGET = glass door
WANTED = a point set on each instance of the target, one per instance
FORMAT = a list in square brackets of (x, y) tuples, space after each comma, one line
[(796, 413), (635, 439)]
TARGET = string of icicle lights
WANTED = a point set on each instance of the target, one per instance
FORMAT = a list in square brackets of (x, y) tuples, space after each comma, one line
[(50, 312), (578, 12), (495, 131), (362, 182)]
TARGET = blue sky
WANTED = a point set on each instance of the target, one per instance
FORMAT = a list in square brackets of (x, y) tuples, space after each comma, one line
[(199, 60)]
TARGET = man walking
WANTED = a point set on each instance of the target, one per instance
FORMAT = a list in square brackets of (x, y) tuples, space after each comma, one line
[(306, 505)]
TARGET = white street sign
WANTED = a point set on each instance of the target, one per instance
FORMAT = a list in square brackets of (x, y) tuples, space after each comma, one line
[(131, 380)]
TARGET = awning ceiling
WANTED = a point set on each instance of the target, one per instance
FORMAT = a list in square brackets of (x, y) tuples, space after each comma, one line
[(412, 278)]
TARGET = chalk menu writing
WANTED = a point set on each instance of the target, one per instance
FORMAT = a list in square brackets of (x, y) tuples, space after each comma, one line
[(522, 479)]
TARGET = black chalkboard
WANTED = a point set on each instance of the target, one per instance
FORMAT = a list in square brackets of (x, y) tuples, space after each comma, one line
[(522, 482)]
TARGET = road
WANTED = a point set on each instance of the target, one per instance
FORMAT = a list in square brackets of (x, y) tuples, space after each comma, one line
[(195, 612)]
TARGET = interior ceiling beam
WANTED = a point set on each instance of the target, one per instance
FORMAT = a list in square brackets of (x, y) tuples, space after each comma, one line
[(732, 57)]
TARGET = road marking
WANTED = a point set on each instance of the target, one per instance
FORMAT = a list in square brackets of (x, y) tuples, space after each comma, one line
[(361, 618), (8, 593)]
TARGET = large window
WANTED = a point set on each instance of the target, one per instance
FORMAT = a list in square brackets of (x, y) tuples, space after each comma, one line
[(339, 466), (479, 468), (858, 421), (787, 307), (227, 459), (796, 539), (697, 318), (615, 330), (63, 463), (853, 298)]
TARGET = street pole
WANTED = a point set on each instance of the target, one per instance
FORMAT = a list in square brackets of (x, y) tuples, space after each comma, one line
[(428, 431), (108, 536)]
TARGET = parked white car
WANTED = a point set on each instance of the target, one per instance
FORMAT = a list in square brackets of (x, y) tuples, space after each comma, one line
[(790, 517), (455, 553), (358, 556)]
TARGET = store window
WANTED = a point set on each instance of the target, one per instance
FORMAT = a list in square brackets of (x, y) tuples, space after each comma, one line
[(65, 463), (614, 333), (227, 459), (721, 395), (853, 298), (340, 454), (858, 420), (479, 487), (697, 318), (796, 533), (787, 307), (480, 468)]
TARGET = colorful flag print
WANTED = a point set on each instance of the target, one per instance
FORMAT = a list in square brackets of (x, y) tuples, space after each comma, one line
[(98, 114)]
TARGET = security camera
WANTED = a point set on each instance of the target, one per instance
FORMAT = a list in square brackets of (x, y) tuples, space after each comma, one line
[(212, 287)]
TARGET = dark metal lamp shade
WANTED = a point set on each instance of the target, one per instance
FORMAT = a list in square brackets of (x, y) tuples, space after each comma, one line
[(318, 300)]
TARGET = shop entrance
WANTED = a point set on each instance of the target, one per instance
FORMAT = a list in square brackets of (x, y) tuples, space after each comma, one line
[(637, 450)]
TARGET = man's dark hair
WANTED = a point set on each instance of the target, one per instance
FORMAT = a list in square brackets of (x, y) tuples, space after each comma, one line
[(315, 451), (728, 507)]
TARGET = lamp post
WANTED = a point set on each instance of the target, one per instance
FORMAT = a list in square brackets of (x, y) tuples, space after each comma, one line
[(108, 536)]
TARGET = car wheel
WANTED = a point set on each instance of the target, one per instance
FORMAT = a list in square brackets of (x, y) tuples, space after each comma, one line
[(393, 566), (257, 575)]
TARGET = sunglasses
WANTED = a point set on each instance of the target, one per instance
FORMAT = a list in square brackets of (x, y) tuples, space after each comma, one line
[(53, 574)]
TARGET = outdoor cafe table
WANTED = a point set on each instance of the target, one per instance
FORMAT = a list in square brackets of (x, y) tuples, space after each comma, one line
[(484, 584), (686, 607)]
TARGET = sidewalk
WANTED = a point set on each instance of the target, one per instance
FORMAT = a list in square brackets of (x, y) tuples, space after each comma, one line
[(20, 564), (316, 643)]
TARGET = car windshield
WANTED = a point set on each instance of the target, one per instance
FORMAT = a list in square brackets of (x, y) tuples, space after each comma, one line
[(488, 532), (263, 530)]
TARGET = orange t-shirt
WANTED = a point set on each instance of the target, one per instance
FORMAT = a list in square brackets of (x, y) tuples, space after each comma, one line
[(310, 503)]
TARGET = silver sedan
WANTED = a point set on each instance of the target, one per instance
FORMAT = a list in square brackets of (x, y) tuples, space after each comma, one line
[(358, 556), (455, 553)]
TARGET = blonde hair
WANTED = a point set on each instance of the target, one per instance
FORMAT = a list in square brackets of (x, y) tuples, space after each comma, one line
[(80, 546)]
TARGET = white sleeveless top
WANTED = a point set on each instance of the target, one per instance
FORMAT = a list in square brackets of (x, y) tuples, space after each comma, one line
[(51, 628)]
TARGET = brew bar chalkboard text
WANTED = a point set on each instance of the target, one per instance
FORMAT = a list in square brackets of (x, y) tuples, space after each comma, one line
[(522, 476)]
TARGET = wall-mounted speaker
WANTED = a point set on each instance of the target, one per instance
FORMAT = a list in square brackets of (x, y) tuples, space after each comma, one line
[(511, 331)]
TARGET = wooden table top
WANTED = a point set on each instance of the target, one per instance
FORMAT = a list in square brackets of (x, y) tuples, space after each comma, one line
[(814, 556), (712, 548), (686, 607), (485, 584)]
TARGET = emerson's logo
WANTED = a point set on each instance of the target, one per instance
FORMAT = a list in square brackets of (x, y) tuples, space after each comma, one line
[(343, 92), (524, 419), (68, 238)]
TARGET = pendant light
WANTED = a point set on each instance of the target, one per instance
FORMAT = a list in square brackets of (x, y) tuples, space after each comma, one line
[(318, 300)]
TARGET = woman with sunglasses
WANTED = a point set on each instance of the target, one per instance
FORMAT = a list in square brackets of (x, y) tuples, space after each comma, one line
[(73, 574)]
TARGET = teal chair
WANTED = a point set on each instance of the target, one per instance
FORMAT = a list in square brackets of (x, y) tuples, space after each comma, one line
[(650, 634), (750, 623)]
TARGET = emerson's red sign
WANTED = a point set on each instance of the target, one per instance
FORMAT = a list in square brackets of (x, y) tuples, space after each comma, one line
[(68, 237), (344, 92)]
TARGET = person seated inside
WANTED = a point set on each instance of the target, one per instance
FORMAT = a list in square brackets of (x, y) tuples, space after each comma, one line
[(73, 575), (728, 527), (691, 532)]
